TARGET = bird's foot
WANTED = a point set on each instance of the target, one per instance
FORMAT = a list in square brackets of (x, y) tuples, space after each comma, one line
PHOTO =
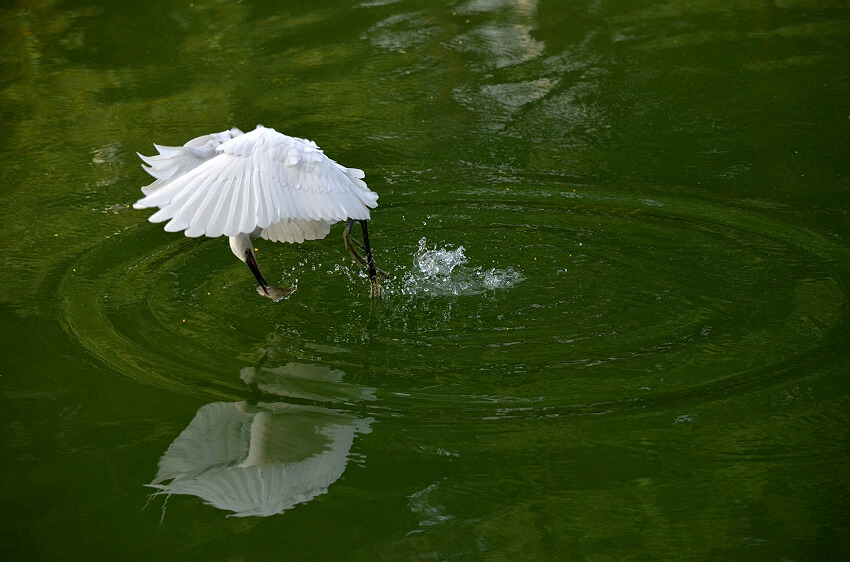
[(353, 245), (358, 259), (376, 289)]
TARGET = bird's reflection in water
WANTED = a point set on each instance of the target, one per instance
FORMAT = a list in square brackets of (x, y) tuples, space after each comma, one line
[(300, 380), (262, 459)]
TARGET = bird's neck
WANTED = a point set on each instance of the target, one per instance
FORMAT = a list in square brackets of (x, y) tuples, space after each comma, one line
[(240, 244)]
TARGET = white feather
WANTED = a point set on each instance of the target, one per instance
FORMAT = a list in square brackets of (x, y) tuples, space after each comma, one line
[(232, 182), (296, 231)]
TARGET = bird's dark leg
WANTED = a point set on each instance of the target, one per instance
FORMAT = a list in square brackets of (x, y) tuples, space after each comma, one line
[(373, 275), (368, 263)]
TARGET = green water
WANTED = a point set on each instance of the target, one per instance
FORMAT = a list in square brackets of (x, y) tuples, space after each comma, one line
[(617, 321)]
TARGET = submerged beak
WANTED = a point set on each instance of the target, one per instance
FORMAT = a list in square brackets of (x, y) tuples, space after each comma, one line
[(251, 261)]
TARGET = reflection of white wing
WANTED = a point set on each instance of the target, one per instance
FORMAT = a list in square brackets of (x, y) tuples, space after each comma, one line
[(258, 460), (231, 183), (301, 380)]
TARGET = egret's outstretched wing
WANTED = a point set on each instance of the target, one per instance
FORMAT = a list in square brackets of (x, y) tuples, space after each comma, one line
[(257, 180), (174, 161)]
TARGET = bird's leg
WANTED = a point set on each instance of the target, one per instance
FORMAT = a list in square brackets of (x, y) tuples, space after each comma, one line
[(368, 263), (350, 244), (373, 275)]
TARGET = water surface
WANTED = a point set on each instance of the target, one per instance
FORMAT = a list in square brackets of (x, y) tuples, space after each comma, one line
[(616, 325)]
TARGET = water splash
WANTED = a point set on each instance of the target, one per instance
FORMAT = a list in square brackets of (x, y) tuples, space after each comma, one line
[(444, 271)]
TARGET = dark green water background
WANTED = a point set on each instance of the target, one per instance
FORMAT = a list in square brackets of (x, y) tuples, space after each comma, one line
[(617, 326)]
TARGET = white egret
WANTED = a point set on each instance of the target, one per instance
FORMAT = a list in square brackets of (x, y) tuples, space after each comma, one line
[(258, 184)]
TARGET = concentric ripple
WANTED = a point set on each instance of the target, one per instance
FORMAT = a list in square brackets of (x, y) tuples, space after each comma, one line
[(572, 304)]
